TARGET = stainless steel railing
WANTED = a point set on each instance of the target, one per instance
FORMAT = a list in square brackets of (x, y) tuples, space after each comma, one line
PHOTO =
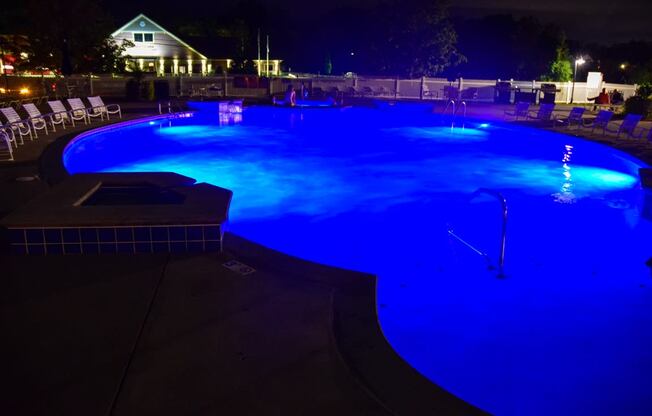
[(503, 238)]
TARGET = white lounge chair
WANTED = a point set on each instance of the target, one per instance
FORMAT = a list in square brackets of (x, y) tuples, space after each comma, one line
[(77, 107), (629, 126), (97, 105), (573, 117), (601, 121), (520, 110), (60, 112), (35, 119), (544, 113), (6, 138), (16, 124), (35, 114)]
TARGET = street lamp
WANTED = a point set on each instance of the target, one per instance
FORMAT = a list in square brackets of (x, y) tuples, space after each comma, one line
[(578, 61)]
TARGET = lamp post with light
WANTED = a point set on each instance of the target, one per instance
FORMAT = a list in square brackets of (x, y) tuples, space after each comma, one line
[(578, 61)]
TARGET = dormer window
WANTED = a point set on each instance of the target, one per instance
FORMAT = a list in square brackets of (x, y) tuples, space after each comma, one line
[(143, 37)]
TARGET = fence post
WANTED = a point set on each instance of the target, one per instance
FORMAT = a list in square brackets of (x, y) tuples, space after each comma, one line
[(421, 87), (396, 87), (460, 85), (90, 83)]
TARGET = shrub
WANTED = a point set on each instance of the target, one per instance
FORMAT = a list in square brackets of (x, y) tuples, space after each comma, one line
[(132, 90), (638, 105), (644, 90)]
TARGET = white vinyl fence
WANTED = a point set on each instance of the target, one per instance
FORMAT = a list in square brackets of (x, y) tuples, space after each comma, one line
[(377, 87)]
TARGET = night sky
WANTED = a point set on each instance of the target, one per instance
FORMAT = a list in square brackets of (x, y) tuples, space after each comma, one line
[(600, 21)]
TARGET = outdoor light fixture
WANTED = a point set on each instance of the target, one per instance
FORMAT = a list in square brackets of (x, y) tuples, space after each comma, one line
[(578, 61), (24, 91), (623, 66)]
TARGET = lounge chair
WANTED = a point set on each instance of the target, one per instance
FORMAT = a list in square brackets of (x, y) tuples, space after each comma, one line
[(97, 105), (601, 121), (451, 93), (520, 110), (428, 93), (36, 119), (6, 138), (573, 117), (35, 114), (77, 107), (366, 91), (59, 111), (544, 113), (469, 94), (629, 126), (16, 124)]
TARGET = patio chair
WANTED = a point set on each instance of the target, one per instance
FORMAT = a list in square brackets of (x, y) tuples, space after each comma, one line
[(382, 92), (469, 94), (5, 138), (601, 121), (36, 119), (35, 114), (629, 126), (16, 124), (520, 110), (97, 105), (573, 117), (59, 111), (350, 92), (428, 93), (544, 113), (77, 107), (366, 91), (451, 92)]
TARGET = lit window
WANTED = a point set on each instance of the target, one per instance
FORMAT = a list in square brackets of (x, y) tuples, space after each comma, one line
[(143, 37)]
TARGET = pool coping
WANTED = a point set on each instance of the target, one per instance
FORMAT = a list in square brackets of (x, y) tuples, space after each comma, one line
[(362, 347)]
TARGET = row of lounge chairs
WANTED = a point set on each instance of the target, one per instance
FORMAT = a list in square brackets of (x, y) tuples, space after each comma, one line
[(602, 123), (38, 100), (17, 128)]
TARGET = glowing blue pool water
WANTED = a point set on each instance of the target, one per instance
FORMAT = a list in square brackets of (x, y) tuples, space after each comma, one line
[(566, 333)]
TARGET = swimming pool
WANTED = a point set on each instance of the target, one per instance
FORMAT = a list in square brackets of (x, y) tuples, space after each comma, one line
[(376, 190)]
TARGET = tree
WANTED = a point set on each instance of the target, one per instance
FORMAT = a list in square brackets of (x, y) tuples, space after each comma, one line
[(561, 68), (106, 58), (64, 33), (420, 41)]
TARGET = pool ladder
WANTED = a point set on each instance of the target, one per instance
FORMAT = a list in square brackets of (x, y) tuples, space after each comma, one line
[(503, 237), (453, 105)]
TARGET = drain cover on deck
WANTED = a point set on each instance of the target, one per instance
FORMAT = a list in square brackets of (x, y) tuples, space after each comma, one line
[(238, 267)]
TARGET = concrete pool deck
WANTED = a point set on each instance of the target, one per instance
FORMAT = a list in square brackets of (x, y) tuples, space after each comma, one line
[(179, 334)]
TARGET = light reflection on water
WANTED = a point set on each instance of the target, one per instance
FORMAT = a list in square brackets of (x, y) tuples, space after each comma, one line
[(366, 190)]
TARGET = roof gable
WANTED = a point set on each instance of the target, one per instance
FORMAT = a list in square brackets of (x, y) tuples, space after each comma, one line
[(142, 23)]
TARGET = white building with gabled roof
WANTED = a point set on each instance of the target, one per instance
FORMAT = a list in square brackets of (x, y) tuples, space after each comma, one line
[(158, 50)]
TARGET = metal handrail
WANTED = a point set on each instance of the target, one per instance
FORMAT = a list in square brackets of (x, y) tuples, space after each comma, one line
[(462, 104), (503, 237), (450, 102)]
